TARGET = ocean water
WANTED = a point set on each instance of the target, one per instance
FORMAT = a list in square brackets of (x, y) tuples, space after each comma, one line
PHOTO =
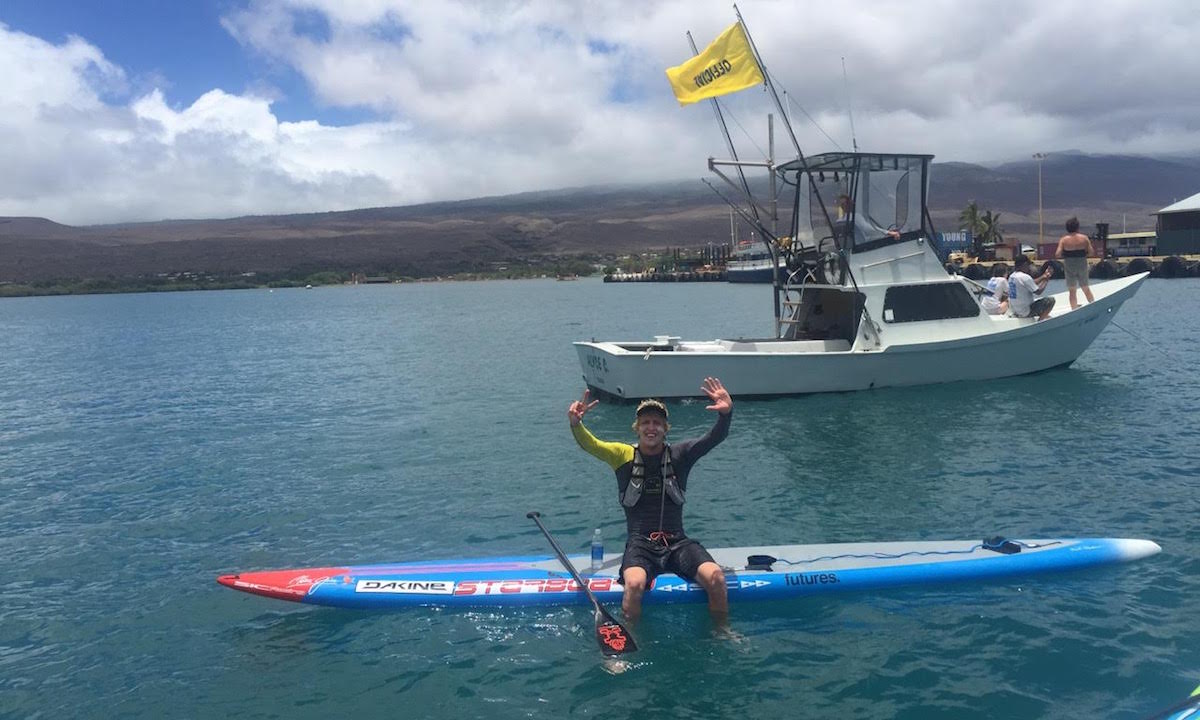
[(149, 443)]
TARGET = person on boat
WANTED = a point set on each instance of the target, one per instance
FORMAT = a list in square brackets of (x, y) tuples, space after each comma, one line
[(652, 478), (997, 302), (1073, 250), (842, 207), (1023, 290)]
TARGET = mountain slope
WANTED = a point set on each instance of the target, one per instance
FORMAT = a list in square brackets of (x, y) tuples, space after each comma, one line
[(469, 235)]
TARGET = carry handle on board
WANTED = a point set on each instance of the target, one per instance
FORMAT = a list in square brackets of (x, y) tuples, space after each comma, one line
[(611, 635)]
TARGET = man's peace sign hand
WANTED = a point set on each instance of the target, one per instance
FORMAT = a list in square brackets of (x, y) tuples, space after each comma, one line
[(579, 408)]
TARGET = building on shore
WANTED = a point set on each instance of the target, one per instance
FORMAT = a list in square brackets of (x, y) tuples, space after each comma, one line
[(1129, 244), (1179, 227)]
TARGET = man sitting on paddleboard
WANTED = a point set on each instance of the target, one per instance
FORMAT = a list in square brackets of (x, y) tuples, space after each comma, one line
[(651, 481)]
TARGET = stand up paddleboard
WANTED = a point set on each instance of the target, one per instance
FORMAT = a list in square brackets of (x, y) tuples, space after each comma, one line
[(752, 573), (1188, 709)]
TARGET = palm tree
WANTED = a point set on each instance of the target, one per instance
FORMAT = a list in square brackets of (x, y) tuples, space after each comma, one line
[(972, 221), (989, 231)]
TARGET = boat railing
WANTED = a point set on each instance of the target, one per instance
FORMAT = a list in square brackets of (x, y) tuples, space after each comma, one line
[(805, 274), (798, 280), (888, 261), (792, 298), (865, 268)]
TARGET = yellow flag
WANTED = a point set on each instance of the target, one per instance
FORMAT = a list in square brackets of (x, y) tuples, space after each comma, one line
[(725, 66)]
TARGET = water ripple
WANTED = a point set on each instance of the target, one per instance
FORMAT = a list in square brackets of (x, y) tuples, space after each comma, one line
[(150, 442)]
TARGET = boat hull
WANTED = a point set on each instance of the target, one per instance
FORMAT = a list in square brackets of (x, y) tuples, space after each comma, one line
[(752, 271), (1006, 347), (749, 275), (795, 571)]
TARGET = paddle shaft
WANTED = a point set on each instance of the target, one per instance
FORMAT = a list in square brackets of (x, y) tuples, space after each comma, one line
[(613, 637), (562, 558)]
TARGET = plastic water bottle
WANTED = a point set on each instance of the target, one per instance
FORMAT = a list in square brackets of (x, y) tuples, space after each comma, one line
[(597, 550)]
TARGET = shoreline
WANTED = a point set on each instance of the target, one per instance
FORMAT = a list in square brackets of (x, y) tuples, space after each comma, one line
[(119, 287)]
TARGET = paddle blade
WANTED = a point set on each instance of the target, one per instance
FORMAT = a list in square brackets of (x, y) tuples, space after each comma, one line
[(612, 636)]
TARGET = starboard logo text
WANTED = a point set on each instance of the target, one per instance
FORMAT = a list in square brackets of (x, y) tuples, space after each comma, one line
[(556, 585)]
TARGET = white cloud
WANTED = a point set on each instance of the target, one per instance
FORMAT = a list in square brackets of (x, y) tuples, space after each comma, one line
[(484, 98), (67, 75)]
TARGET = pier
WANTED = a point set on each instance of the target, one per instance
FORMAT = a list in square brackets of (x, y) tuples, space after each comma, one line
[(1159, 266), (713, 275), (1164, 266)]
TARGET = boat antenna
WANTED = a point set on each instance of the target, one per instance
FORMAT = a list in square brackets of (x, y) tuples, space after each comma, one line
[(716, 106), (849, 108)]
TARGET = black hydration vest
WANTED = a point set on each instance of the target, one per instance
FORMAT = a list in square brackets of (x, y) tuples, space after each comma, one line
[(637, 479)]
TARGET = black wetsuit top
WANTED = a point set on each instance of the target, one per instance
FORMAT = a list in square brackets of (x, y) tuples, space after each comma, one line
[(644, 517)]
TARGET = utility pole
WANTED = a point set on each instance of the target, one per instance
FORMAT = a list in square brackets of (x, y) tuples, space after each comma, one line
[(1039, 157)]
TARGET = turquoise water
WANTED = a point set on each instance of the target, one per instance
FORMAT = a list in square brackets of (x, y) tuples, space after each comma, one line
[(151, 442)]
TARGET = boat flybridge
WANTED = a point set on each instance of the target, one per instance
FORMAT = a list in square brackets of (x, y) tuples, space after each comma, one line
[(861, 301)]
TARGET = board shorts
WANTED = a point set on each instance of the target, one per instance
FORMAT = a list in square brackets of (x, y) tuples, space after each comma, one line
[(683, 557), (1076, 269), (1039, 306)]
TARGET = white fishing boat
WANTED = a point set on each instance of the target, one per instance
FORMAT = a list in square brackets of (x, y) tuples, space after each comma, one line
[(864, 303), (861, 299)]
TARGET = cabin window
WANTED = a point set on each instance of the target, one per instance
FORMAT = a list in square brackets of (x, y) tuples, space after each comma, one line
[(939, 301), (890, 197), (902, 202), (835, 191)]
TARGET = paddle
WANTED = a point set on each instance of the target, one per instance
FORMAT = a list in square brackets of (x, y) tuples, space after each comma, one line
[(613, 637)]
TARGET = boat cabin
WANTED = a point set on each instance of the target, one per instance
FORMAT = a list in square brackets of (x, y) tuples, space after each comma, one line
[(858, 220), (856, 202)]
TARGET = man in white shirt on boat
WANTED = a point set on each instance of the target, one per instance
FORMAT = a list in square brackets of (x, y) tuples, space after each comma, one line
[(1023, 290), (996, 302)]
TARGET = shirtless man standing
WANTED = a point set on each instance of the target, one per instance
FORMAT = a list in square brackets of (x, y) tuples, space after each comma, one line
[(1073, 250)]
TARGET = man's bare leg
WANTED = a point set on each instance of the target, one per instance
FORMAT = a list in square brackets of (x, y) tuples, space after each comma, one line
[(712, 578), (635, 587)]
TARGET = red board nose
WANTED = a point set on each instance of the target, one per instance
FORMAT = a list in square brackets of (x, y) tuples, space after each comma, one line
[(283, 584)]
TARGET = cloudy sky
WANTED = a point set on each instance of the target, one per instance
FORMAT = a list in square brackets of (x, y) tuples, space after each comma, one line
[(150, 109)]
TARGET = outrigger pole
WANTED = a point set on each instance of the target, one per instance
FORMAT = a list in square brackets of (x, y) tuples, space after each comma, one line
[(791, 132), (753, 220), (716, 106), (752, 217), (837, 243)]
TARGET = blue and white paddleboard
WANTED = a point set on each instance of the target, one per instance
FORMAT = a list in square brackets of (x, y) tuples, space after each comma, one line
[(753, 573)]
